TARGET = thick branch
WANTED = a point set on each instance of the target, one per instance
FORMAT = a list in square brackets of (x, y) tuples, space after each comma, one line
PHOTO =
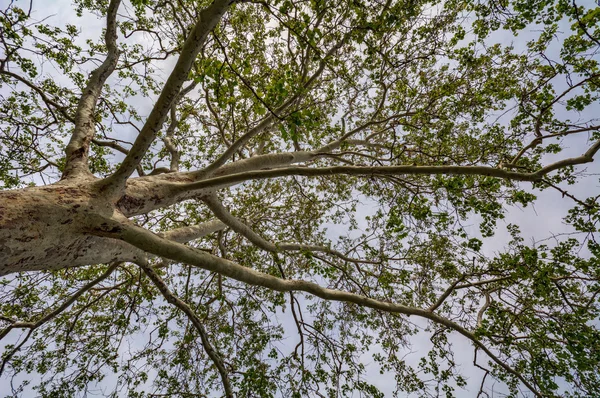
[(151, 243), (174, 187), (160, 187), (266, 161), (209, 18), (227, 180), (77, 149), (186, 234), (585, 158), (231, 179)]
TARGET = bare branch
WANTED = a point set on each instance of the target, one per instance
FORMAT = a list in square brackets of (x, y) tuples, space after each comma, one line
[(111, 144), (175, 187), (483, 309), (232, 179), (567, 194), (445, 295), (538, 141), (483, 282), (548, 106), (585, 158)]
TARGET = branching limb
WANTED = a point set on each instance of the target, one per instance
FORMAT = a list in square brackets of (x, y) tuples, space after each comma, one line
[(77, 149), (445, 295), (231, 179), (274, 114), (175, 187), (279, 160), (228, 219), (209, 18), (189, 312), (228, 180), (165, 187), (538, 140), (587, 157), (548, 106), (152, 243)]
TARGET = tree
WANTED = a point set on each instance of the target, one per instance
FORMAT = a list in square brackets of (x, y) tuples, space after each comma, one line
[(195, 260)]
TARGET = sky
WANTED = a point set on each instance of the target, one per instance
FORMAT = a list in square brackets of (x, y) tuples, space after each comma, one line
[(536, 222)]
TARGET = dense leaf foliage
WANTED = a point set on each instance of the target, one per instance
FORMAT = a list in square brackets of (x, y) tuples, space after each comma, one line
[(350, 88)]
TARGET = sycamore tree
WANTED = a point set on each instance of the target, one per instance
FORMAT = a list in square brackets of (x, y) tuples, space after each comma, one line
[(273, 197)]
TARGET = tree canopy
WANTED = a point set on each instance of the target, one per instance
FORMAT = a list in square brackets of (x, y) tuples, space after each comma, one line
[(274, 197)]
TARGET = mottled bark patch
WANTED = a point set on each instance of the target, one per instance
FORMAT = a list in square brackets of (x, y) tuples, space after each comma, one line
[(128, 204), (48, 228)]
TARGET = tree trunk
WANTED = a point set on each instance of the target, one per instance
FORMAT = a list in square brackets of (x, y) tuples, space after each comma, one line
[(48, 228)]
